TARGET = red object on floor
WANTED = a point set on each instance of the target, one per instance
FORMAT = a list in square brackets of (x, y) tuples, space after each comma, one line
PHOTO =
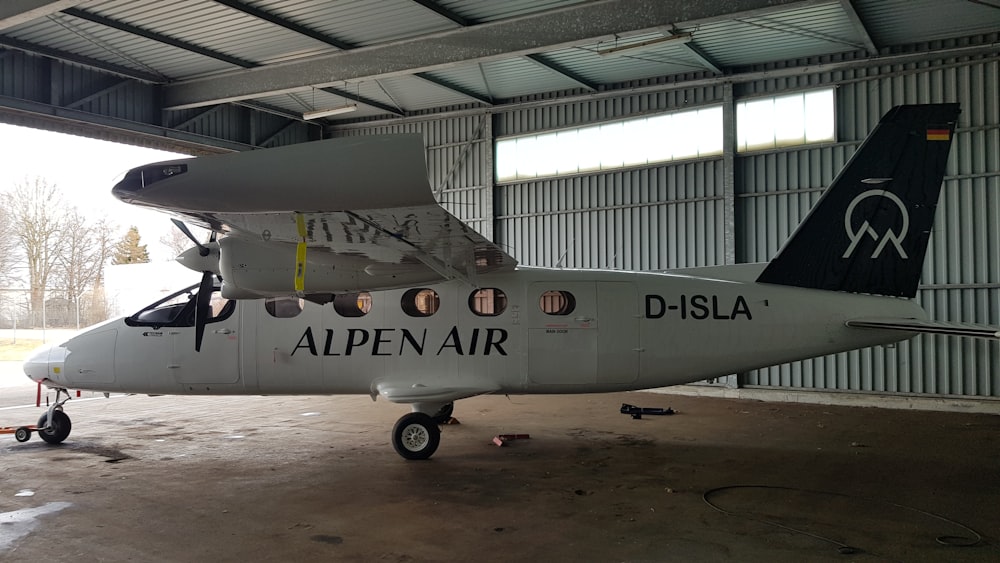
[(500, 439)]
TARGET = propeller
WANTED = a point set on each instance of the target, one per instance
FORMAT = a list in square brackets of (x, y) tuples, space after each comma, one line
[(204, 302), (202, 308), (202, 249)]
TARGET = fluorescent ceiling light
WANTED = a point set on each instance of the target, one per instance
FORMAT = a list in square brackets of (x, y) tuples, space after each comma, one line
[(316, 114), (680, 39)]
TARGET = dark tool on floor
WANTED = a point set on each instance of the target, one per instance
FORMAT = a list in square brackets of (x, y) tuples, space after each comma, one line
[(637, 412)]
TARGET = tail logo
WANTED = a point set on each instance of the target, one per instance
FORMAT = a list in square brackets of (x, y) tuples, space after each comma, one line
[(866, 229)]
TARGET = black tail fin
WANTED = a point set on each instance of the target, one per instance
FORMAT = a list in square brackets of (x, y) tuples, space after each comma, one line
[(868, 232)]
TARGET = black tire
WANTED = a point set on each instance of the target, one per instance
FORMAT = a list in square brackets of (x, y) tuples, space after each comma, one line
[(60, 427), (443, 415), (416, 436), (22, 434)]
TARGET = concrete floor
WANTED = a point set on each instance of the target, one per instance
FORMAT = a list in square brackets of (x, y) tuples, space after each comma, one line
[(315, 478)]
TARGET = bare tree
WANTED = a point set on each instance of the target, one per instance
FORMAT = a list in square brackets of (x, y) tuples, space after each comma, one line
[(8, 245), (84, 249), (175, 241), (36, 213)]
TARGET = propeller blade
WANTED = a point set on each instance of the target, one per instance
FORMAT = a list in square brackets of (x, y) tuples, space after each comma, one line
[(202, 308), (202, 249)]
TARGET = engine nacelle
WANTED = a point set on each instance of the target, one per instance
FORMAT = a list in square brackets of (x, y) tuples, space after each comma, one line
[(252, 270)]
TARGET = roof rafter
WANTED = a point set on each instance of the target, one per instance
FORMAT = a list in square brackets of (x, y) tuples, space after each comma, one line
[(441, 10), (158, 37), (448, 86), (282, 22), (575, 25), (16, 12), (74, 58), (559, 69), (859, 26)]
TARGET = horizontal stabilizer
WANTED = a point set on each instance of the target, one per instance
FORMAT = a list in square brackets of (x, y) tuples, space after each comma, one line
[(928, 327), (399, 393)]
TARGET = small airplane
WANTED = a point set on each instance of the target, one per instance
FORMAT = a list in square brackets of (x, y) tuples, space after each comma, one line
[(332, 270)]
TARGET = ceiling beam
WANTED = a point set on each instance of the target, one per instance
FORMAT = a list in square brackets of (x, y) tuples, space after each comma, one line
[(433, 6), (987, 51), (448, 86), (159, 37), (859, 26), (74, 58), (572, 26), (282, 22), (16, 12), (540, 60)]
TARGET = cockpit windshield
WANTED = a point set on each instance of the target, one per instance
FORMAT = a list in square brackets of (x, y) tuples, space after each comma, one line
[(178, 309)]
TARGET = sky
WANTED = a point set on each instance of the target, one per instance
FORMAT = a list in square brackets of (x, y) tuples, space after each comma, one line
[(84, 170)]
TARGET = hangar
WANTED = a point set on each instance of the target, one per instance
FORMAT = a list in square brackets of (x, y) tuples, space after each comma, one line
[(212, 76), (730, 91)]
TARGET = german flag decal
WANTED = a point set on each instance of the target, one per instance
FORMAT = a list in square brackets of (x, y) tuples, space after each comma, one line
[(938, 134)]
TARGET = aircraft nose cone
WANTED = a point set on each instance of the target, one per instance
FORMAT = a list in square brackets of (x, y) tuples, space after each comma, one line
[(36, 365)]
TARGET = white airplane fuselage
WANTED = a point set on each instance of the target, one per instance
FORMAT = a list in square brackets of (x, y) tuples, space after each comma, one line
[(627, 331)]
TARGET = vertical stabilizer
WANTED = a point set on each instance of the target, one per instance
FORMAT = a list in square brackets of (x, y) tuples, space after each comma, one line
[(868, 232)]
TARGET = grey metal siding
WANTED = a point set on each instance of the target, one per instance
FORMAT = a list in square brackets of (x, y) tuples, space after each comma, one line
[(961, 277), (671, 215)]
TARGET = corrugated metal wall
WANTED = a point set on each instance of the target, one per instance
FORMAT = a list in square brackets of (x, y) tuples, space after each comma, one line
[(459, 164), (671, 215), (961, 277), (648, 218)]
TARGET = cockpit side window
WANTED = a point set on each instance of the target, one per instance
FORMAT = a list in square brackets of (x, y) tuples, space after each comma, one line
[(178, 310)]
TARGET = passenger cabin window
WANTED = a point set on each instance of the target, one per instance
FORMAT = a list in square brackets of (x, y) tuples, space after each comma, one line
[(488, 302), (420, 302), (178, 310), (353, 304), (284, 307), (557, 302)]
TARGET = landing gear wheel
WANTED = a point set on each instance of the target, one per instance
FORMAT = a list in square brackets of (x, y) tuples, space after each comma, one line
[(60, 427), (443, 415), (416, 436), (22, 434)]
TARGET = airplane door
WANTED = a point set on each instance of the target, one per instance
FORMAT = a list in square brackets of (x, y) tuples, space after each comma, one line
[(618, 343), (218, 362), (562, 332)]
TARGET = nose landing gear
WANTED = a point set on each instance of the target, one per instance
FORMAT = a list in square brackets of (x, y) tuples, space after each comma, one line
[(54, 426)]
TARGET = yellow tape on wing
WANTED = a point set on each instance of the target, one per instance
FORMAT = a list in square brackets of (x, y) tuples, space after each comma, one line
[(300, 266), (300, 254)]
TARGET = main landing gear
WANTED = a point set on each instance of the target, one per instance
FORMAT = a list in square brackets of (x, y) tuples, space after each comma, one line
[(416, 435), (58, 429)]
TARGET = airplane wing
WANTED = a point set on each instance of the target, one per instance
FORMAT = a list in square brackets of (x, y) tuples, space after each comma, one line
[(360, 206), (927, 326)]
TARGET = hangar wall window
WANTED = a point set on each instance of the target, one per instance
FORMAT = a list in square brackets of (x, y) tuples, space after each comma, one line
[(557, 302), (283, 307), (610, 146), (488, 302), (781, 121), (352, 304), (420, 302)]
